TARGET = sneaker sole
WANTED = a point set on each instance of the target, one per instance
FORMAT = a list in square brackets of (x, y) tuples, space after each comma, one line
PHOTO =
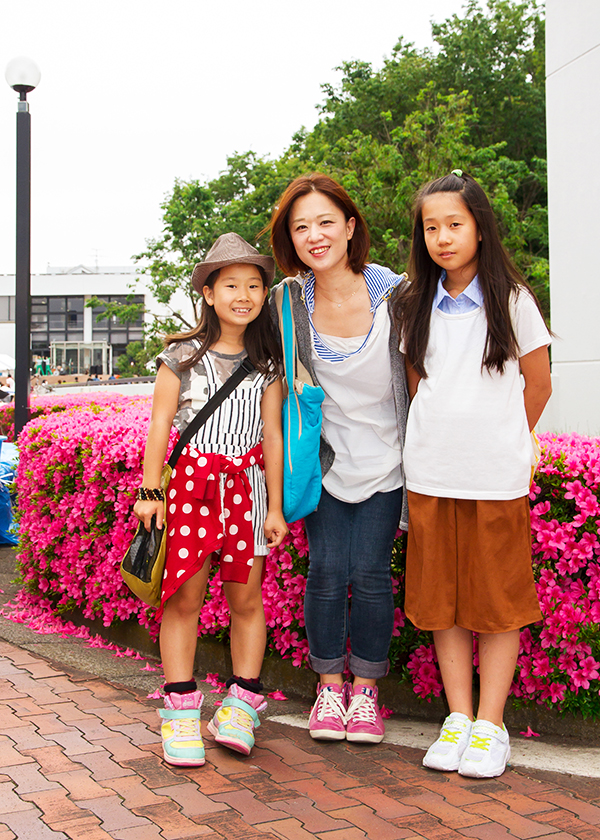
[(431, 765), (363, 738), (237, 746), (327, 734), (496, 771), (183, 762)]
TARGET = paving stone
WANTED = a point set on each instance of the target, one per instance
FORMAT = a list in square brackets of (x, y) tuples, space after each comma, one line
[(433, 803), (10, 802), (336, 780), (560, 820), (263, 786), (41, 669), (193, 802), (55, 805), (83, 828), (119, 747), (8, 691), (61, 684), (51, 759), (365, 819), (586, 812), (109, 715), (24, 706), (92, 728), (28, 825), (519, 826), (26, 736), (49, 724), (138, 733), (227, 762), (245, 802), (520, 804), (232, 827), (28, 778), (80, 784), (132, 790), (101, 765), (312, 818), (172, 822), (323, 798), (276, 768), (384, 806), (443, 783), (6, 833), (424, 825), (112, 814), (210, 781), (9, 756), (290, 829), (290, 753), (34, 688), (88, 701), (9, 720), (349, 834), (153, 770), (489, 831), (146, 832)]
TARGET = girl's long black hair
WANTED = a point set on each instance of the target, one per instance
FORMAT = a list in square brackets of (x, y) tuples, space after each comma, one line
[(260, 339), (498, 279)]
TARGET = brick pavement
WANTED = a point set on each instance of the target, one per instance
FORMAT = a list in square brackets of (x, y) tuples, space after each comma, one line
[(81, 758)]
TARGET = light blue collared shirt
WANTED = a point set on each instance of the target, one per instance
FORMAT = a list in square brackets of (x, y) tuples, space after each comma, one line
[(467, 301)]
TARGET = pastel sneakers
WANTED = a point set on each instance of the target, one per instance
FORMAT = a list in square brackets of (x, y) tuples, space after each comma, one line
[(445, 753), (364, 724), (180, 729), (327, 720), (487, 752), (234, 721)]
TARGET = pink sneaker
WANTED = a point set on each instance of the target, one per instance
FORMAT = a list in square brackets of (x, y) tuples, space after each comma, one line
[(364, 723), (327, 716), (234, 721), (180, 729)]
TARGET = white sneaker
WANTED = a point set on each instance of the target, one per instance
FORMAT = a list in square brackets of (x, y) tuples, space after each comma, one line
[(446, 752), (487, 752)]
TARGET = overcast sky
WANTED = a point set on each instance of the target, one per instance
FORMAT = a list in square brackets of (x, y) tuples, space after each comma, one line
[(136, 93)]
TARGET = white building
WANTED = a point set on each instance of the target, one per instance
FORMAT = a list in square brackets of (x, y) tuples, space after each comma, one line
[(64, 329), (573, 118)]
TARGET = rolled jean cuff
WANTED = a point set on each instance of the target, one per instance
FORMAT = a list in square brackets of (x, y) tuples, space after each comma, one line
[(368, 670), (327, 666)]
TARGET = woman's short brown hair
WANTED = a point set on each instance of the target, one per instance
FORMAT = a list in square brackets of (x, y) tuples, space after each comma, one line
[(280, 237)]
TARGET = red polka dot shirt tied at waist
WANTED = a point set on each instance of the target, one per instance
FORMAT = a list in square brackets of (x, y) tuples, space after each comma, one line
[(210, 494)]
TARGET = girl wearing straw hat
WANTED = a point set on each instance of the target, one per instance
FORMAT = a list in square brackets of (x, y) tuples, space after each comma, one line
[(225, 495)]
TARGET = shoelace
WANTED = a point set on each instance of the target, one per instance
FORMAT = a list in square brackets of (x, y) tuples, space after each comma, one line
[(480, 742), (450, 736), (362, 708), (330, 704), (241, 719), (187, 728)]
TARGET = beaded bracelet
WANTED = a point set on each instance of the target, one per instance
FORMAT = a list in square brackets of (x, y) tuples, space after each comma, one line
[(148, 494)]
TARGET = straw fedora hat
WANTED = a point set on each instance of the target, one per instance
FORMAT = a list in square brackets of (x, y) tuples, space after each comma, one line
[(230, 249)]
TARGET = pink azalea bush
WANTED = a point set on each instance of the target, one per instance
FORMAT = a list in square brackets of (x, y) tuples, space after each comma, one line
[(76, 482)]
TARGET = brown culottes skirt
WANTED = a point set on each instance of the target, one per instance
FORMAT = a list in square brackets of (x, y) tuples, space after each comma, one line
[(469, 563)]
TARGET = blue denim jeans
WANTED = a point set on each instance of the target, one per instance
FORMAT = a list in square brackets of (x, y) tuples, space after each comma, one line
[(350, 545)]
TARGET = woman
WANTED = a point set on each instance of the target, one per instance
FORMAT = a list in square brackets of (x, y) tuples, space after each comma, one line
[(342, 311)]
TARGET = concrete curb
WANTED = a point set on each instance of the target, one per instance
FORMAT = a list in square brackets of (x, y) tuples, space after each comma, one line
[(277, 673)]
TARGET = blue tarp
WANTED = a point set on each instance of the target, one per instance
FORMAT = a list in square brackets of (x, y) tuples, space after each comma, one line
[(9, 458)]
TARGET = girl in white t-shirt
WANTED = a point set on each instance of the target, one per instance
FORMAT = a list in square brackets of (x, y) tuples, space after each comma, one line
[(472, 331)]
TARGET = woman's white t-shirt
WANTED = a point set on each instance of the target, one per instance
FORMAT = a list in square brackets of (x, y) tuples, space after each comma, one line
[(467, 435), (359, 414)]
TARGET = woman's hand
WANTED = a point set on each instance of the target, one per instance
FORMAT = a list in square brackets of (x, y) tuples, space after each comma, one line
[(146, 510), (275, 528)]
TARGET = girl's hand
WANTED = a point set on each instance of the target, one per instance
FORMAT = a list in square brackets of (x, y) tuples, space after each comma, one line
[(275, 529), (146, 510)]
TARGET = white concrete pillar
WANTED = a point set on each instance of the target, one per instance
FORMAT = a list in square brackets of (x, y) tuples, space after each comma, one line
[(573, 115)]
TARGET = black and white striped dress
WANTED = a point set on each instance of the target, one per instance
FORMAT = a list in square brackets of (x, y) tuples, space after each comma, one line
[(236, 425)]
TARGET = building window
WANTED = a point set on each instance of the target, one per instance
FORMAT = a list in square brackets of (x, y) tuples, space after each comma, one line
[(116, 333), (7, 307), (55, 318)]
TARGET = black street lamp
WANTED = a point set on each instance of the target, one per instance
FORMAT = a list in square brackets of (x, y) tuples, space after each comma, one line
[(23, 75)]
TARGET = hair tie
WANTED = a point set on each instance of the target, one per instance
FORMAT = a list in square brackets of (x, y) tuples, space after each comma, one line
[(457, 172)]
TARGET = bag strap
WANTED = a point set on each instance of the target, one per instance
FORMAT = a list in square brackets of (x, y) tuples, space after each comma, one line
[(245, 367), (296, 376)]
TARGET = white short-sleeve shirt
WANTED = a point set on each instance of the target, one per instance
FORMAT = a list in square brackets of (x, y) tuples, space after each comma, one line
[(467, 435)]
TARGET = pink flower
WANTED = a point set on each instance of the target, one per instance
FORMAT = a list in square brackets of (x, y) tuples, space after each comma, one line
[(529, 733)]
